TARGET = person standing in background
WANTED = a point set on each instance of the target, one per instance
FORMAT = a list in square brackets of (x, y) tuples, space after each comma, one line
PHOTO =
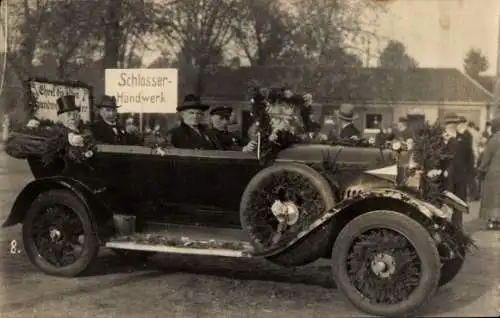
[(489, 174), (455, 179), (465, 151), (476, 140), (6, 127)]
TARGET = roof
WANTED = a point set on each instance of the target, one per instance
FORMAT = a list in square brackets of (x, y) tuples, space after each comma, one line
[(488, 82), (366, 84)]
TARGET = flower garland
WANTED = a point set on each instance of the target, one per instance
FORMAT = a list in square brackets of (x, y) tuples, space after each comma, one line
[(51, 141)]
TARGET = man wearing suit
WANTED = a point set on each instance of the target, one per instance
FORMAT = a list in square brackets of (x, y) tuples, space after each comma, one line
[(455, 179), (347, 128), (191, 133), (106, 129)]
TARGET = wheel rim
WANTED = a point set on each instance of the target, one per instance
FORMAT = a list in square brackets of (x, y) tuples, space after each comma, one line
[(383, 266), (57, 235)]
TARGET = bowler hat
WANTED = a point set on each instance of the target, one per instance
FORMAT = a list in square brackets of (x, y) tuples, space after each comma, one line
[(346, 112), (462, 119), (451, 118), (66, 104), (108, 102), (192, 101), (221, 110), (403, 119)]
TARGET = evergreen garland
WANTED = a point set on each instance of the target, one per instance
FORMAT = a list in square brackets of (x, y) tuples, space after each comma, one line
[(49, 141), (429, 153)]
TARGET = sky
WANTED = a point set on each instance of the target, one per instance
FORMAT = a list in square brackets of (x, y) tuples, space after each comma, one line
[(438, 33)]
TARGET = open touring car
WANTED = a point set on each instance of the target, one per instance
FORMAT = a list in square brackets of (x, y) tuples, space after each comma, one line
[(389, 248)]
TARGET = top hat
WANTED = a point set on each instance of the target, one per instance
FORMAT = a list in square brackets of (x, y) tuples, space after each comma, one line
[(192, 101), (108, 102), (451, 118), (66, 104), (221, 110), (346, 112)]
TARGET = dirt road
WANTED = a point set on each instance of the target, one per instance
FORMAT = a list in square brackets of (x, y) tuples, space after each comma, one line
[(182, 286)]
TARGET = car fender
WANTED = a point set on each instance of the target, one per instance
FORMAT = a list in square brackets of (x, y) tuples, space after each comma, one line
[(91, 194), (428, 211)]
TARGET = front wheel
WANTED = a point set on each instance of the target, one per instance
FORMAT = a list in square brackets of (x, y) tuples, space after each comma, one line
[(386, 263), (58, 235)]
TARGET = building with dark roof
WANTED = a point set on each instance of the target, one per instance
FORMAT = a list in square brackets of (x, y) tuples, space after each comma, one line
[(380, 95)]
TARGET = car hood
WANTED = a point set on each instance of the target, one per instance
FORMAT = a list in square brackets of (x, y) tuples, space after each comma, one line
[(343, 156)]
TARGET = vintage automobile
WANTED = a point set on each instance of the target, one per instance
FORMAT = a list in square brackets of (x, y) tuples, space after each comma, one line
[(389, 250), (356, 205)]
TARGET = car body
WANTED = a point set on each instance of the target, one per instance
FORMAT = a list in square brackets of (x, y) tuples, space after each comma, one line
[(198, 198)]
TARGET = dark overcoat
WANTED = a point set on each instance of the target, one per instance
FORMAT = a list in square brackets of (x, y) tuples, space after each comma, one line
[(227, 140), (184, 136), (104, 133), (490, 168), (349, 131), (455, 165)]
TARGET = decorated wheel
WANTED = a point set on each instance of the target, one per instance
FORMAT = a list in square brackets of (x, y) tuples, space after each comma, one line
[(57, 234), (280, 202), (450, 269), (386, 263)]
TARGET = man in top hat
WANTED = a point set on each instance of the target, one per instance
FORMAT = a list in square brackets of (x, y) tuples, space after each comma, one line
[(347, 128), (456, 178), (191, 133), (68, 113), (106, 129)]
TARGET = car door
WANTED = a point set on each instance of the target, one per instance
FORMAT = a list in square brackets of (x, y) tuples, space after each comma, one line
[(208, 184)]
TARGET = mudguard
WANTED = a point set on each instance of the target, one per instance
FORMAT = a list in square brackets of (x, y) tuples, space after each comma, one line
[(92, 193), (426, 209)]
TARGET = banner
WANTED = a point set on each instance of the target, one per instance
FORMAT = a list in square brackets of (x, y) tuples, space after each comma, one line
[(45, 95), (144, 90)]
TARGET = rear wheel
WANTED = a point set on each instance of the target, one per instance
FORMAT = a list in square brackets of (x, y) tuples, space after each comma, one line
[(58, 235), (386, 263)]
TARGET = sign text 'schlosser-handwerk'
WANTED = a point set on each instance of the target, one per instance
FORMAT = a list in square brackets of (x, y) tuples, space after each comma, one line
[(143, 90), (46, 94)]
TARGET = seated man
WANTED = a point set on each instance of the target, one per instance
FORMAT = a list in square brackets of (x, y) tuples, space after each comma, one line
[(191, 133), (106, 129), (219, 117)]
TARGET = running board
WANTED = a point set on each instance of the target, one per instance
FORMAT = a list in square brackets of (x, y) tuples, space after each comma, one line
[(189, 242), (179, 250)]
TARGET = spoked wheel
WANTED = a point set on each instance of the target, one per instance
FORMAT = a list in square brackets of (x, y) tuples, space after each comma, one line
[(57, 234), (386, 263)]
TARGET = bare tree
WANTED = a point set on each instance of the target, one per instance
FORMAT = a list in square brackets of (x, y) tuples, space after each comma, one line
[(70, 32), (264, 31), (27, 18), (198, 31)]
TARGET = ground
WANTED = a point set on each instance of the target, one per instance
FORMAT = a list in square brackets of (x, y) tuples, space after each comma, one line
[(182, 286)]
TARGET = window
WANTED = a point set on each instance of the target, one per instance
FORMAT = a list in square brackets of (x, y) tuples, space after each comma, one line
[(373, 121)]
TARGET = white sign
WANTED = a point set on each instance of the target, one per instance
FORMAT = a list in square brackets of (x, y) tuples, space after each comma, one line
[(45, 95), (144, 90)]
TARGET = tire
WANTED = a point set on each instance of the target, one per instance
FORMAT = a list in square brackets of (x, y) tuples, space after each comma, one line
[(426, 254), (89, 247), (450, 269), (311, 247), (134, 256)]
